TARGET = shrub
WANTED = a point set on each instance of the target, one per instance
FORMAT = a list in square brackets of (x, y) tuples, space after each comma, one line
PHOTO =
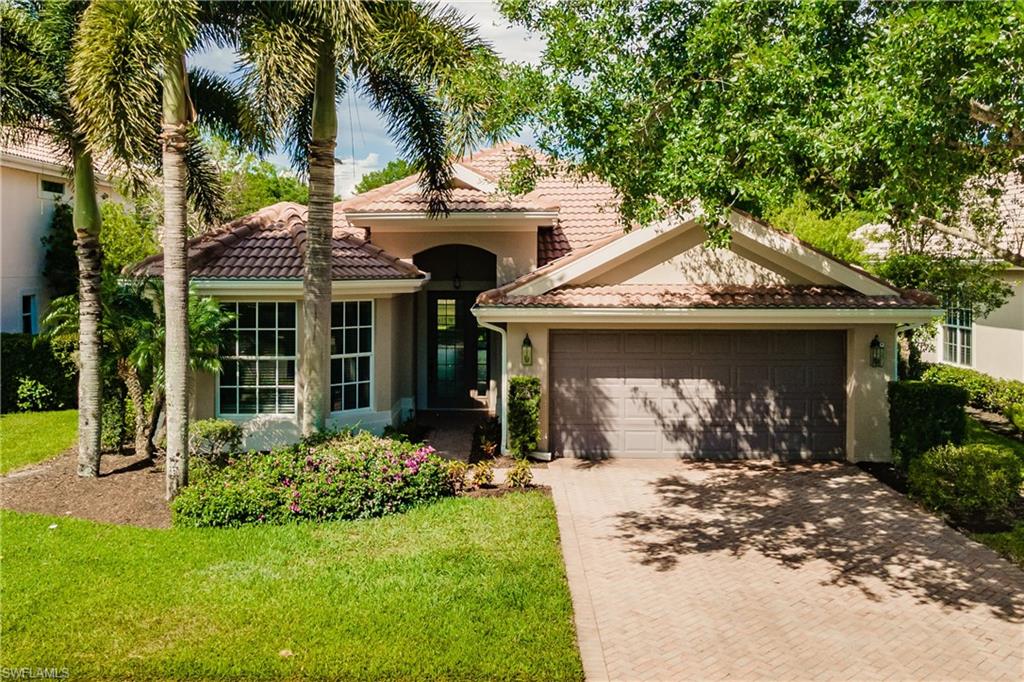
[(30, 357), (212, 440), (1016, 416), (523, 415), (923, 415), (33, 396), (971, 484), (482, 474), (520, 475), (486, 439), (984, 392), (457, 472), (350, 476)]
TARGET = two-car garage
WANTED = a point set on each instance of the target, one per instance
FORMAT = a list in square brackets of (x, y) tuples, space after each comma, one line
[(698, 393)]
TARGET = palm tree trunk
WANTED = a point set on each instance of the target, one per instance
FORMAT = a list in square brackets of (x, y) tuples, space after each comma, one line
[(90, 378), (130, 376), (175, 141), (316, 302)]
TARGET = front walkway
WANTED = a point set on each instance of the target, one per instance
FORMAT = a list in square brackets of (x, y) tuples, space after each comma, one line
[(754, 571)]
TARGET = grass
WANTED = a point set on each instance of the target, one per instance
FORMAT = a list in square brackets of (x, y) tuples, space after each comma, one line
[(461, 589), (32, 437), (1009, 543)]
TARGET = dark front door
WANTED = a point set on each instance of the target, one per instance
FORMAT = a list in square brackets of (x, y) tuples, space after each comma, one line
[(457, 352)]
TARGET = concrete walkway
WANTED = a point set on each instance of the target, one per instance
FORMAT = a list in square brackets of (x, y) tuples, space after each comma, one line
[(753, 571)]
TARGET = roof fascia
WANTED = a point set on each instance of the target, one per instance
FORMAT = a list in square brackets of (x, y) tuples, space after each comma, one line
[(758, 316), (281, 287)]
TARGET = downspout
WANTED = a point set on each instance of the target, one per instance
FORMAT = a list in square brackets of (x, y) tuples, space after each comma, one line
[(504, 381)]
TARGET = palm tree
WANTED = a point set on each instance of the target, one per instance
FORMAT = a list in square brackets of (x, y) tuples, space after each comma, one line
[(135, 98), (407, 59), (34, 101)]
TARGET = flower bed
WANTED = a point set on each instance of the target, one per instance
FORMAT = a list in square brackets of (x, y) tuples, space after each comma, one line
[(349, 476)]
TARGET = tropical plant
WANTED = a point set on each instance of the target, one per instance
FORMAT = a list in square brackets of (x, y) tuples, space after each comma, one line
[(34, 101), (136, 99), (407, 59)]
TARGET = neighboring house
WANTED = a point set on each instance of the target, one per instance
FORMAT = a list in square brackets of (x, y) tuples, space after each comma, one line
[(646, 343), (993, 344), (32, 180)]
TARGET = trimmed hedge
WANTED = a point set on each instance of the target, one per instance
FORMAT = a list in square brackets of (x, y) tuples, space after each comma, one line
[(523, 415), (924, 415), (971, 484), (23, 356), (984, 392)]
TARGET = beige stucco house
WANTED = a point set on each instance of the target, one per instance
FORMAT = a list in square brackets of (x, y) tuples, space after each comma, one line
[(32, 181), (647, 343)]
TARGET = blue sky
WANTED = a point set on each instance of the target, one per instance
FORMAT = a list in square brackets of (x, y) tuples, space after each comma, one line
[(363, 142)]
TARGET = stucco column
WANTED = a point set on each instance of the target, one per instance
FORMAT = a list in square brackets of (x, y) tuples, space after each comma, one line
[(867, 394), (539, 338)]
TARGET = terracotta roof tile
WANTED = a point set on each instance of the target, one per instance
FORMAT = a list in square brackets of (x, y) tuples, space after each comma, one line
[(551, 244), (269, 244), (461, 199), (707, 296)]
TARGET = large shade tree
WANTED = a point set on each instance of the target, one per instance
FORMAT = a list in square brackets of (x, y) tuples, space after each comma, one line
[(421, 66), (136, 99), (34, 101), (889, 107)]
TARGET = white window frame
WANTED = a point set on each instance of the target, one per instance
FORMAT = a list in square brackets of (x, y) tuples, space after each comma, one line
[(372, 354), (33, 313), (958, 337), (277, 386), (47, 194)]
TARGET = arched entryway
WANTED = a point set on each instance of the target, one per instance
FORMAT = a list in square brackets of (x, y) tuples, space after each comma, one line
[(456, 361)]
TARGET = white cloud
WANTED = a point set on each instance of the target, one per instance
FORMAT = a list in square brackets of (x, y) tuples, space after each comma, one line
[(513, 43), (349, 172)]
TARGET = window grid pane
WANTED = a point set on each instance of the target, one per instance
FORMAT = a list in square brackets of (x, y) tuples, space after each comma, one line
[(957, 346), (351, 355), (258, 375)]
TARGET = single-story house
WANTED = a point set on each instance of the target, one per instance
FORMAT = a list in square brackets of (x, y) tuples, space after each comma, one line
[(647, 343), (993, 344)]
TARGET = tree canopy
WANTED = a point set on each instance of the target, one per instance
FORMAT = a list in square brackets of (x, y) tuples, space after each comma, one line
[(887, 107), (396, 169)]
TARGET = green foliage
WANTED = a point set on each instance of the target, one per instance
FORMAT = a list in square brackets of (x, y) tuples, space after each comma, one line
[(396, 169), (832, 235), (486, 438), (213, 440), (251, 183), (984, 392), (520, 475), (457, 473), (353, 476), (60, 262), (958, 282), (922, 416), (128, 236), (1015, 414), (523, 414), (24, 356), (482, 473), (972, 484), (869, 105), (32, 437), (34, 396)]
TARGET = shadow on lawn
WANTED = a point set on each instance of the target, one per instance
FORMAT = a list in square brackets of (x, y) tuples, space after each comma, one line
[(867, 534)]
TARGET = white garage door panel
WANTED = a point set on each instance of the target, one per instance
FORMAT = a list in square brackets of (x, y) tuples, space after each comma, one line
[(718, 394)]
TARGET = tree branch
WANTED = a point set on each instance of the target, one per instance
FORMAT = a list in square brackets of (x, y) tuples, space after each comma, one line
[(996, 250), (983, 113)]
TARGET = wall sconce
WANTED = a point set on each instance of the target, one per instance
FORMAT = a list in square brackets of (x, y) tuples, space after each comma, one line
[(527, 351), (457, 281), (877, 352)]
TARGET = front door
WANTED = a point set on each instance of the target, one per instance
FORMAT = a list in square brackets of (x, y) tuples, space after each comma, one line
[(457, 353)]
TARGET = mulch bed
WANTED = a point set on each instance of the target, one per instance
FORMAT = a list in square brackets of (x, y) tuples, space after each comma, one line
[(501, 491), (129, 490)]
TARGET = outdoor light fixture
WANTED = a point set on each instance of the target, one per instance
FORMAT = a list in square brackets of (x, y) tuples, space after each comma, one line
[(457, 281), (877, 352), (527, 351)]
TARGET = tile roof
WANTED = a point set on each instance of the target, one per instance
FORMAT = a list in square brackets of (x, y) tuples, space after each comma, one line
[(270, 244), (39, 148), (587, 208), (879, 240), (707, 296)]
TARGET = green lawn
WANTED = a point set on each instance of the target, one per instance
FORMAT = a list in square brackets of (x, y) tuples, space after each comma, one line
[(1009, 543), (30, 437), (461, 589)]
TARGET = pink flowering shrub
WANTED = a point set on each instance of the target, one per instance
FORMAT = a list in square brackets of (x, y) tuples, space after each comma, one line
[(348, 476)]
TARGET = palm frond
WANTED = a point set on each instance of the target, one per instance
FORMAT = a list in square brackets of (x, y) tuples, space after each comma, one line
[(29, 88), (203, 182), (223, 110)]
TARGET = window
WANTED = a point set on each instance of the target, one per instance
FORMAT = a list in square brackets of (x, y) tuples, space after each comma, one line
[(51, 186), (29, 317), (259, 363), (956, 336), (351, 355)]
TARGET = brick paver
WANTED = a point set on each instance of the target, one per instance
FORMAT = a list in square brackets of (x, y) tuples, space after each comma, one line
[(756, 571)]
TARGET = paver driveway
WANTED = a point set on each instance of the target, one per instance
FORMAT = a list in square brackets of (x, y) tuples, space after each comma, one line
[(755, 571)]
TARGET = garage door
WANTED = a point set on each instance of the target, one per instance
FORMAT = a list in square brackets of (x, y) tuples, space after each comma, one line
[(696, 393)]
